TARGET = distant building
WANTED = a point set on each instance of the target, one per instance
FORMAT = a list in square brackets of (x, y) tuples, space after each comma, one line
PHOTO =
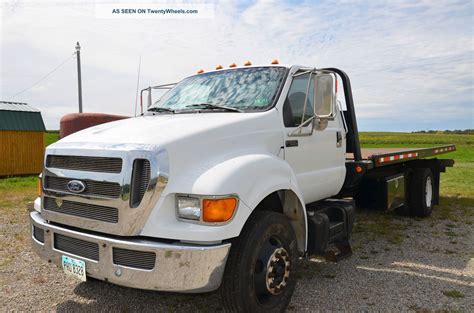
[(21, 139)]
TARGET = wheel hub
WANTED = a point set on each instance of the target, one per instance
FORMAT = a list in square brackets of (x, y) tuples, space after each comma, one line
[(278, 271)]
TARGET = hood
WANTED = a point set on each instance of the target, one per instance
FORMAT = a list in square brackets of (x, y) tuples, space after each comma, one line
[(170, 129)]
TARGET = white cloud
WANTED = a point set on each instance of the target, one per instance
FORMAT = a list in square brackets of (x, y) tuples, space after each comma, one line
[(403, 57)]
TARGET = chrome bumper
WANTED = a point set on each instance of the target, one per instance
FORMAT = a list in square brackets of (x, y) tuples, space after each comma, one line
[(178, 267)]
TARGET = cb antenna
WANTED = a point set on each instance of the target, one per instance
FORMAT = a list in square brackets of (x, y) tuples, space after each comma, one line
[(138, 83)]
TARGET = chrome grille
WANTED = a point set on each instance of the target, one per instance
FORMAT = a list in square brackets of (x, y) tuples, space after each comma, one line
[(140, 181), (97, 206), (93, 188), (85, 163), (136, 259), (90, 211), (76, 246), (38, 233)]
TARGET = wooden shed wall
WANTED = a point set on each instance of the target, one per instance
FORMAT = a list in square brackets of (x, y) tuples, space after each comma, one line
[(21, 152)]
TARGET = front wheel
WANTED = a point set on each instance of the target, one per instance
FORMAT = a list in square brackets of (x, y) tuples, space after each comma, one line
[(261, 267)]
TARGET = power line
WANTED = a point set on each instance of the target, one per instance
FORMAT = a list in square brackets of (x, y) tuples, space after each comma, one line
[(42, 78)]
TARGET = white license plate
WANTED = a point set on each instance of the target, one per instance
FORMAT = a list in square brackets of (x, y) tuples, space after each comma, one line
[(74, 267)]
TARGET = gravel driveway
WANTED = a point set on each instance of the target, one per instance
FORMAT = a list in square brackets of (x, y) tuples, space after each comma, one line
[(399, 264)]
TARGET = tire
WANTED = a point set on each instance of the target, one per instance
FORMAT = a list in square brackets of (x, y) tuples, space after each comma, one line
[(265, 248), (421, 192)]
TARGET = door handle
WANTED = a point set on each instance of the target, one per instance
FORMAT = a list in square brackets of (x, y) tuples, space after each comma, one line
[(339, 139), (291, 143)]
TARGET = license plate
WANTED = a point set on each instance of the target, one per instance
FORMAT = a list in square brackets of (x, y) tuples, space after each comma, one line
[(74, 267)]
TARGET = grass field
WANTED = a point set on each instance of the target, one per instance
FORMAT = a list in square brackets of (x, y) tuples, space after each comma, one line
[(51, 137)]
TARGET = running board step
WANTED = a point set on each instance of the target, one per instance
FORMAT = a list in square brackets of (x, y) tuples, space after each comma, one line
[(330, 222), (335, 228)]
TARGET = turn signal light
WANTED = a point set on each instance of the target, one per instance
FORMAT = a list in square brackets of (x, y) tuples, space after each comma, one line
[(40, 184), (233, 65), (219, 67), (218, 210), (247, 63), (200, 71), (275, 61)]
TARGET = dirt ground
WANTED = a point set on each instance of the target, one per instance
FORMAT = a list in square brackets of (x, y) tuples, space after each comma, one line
[(399, 264)]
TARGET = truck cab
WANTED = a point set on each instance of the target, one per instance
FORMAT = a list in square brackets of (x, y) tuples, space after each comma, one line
[(222, 183)]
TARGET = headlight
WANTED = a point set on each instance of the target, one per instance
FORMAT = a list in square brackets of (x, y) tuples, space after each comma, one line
[(206, 209), (189, 208)]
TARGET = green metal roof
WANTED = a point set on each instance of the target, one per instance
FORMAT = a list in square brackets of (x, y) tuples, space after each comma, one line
[(20, 116), (17, 106)]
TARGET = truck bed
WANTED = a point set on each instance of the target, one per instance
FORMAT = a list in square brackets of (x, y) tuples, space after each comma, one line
[(387, 156)]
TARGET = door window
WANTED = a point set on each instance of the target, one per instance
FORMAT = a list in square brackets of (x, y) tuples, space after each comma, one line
[(294, 102)]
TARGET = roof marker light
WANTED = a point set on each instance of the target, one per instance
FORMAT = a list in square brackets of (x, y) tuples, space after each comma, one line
[(219, 67), (247, 63), (233, 65), (275, 61), (200, 71)]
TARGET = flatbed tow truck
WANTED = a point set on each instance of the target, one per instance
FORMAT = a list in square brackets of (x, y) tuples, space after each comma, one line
[(223, 183)]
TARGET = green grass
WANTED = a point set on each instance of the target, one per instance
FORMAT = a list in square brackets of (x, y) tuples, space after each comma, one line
[(456, 209), (453, 294), (418, 309), (51, 136), (16, 191), (415, 138), (378, 224), (18, 183)]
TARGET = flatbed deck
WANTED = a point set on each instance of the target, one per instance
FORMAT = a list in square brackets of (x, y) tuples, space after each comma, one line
[(387, 156)]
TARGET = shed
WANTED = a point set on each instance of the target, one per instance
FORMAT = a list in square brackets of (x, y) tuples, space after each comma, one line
[(21, 139)]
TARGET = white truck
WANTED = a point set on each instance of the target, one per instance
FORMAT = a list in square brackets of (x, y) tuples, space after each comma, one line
[(223, 183)]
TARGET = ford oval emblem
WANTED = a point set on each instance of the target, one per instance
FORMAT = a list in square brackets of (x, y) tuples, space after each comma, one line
[(76, 186)]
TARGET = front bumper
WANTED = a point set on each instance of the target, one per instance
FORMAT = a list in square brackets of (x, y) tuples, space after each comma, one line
[(178, 267)]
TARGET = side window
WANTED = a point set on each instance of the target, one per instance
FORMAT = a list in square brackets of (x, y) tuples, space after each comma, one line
[(294, 102)]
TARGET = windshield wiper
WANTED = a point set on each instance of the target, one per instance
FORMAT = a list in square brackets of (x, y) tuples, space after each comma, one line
[(214, 106), (160, 109)]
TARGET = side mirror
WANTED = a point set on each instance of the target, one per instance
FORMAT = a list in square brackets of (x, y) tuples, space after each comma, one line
[(324, 96), (161, 88)]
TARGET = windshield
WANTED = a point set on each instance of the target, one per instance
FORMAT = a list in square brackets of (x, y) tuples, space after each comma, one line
[(240, 89)]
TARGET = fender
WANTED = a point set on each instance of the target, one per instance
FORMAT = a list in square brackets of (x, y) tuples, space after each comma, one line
[(251, 176), (255, 176)]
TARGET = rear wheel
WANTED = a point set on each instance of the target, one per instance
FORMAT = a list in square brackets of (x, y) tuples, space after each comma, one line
[(260, 270), (421, 192)]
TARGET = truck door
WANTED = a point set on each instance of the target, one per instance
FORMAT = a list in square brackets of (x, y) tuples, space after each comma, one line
[(317, 156)]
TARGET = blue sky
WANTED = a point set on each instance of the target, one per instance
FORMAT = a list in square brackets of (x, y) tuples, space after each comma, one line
[(411, 62)]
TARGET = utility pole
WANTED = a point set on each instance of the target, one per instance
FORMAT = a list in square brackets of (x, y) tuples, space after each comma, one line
[(79, 80)]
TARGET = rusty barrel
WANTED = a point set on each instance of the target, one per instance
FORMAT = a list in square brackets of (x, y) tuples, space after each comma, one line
[(74, 122)]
